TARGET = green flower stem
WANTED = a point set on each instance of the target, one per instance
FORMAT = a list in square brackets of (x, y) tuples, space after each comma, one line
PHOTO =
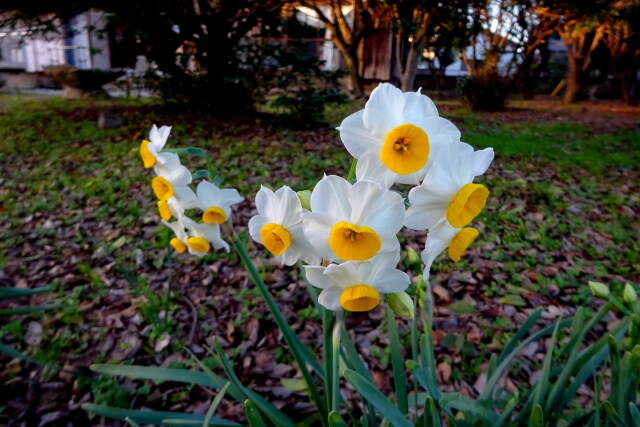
[(414, 347), (618, 304), (335, 363), (328, 321), (209, 168), (427, 309), (352, 170), (300, 352)]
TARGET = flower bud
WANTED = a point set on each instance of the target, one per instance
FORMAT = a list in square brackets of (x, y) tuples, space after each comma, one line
[(629, 294), (413, 256), (401, 304), (599, 289), (305, 199)]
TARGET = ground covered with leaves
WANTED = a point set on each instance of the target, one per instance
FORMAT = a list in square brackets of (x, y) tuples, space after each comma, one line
[(77, 215)]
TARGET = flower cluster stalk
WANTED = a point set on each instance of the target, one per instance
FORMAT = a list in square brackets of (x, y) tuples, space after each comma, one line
[(335, 362)]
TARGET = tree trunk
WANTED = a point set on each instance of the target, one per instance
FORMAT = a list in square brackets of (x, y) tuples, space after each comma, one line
[(408, 76), (625, 88), (353, 66), (574, 80)]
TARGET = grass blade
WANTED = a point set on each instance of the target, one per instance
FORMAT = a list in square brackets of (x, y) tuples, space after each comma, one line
[(215, 403), (253, 414), (132, 422), (597, 386), (8, 292), (354, 361), (513, 342), (428, 367), (617, 389), (573, 348), (613, 414), (379, 401), (12, 352), (591, 358), (487, 393), (27, 310), (543, 381), (537, 417), (150, 417), (397, 363), (335, 420), (161, 374), (431, 414), (300, 352), (635, 414), (277, 416)]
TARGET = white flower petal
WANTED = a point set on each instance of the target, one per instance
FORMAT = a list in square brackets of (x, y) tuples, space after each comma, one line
[(315, 276), (376, 207), (330, 298), (317, 228), (435, 126), (344, 275), (186, 196), (266, 203), (438, 239), (330, 197), (356, 138), (391, 281), (210, 195), (370, 168), (383, 110), (255, 225), (417, 106), (427, 208), (288, 210), (154, 135), (301, 247), (481, 161)]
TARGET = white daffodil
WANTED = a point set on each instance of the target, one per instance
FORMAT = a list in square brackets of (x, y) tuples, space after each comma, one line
[(173, 181), (356, 285), (353, 222), (174, 208), (444, 236), (179, 242), (203, 236), (215, 203), (278, 226), (150, 149), (448, 191), (395, 136)]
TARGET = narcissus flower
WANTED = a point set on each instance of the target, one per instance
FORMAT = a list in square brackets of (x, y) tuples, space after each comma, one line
[(444, 236), (196, 238), (173, 181), (179, 242), (396, 135), (278, 226), (215, 203), (357, 285), (353, 222), (448, 191), (150, 150), (203, 236)]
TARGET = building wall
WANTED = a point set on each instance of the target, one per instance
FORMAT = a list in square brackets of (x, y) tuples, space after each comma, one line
[(81, 42)]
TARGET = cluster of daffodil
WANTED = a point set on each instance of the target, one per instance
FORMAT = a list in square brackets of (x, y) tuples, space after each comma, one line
[(172, 187), (347, 232)]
